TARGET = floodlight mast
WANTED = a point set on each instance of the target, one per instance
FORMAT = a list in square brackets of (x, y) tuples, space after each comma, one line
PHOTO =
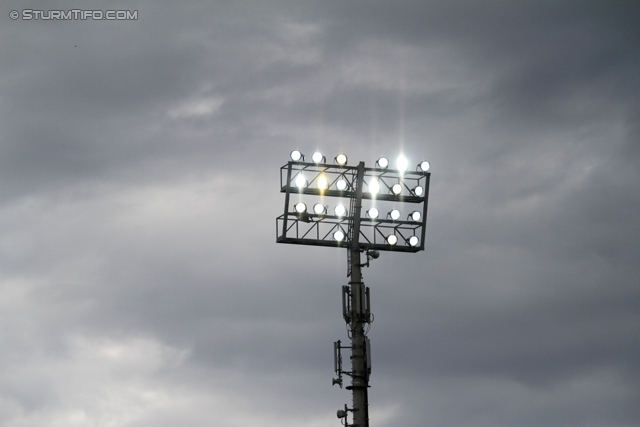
[(359, 371), (297, 225)]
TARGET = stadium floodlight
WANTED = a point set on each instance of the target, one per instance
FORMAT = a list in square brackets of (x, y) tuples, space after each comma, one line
[(301, 182), (341, 159), (341, 184), (373, 213), (317, 157), (322, 182), (402, 163), (300, 207), (366, 216), (383, 162), (296, 156), (424, 166), (319, 209), (374, 186)]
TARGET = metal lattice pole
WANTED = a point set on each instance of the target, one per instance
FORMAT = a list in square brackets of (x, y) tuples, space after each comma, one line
[(359, 315)]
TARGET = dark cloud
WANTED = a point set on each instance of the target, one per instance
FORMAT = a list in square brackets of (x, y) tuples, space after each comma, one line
[(141, 280)]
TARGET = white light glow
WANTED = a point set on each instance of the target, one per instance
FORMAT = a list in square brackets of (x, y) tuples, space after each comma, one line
[(341, 159), (296, 155), (397, 189), (383, 162), (317, 157), (424, 166), (373, 213), (340, 210), (300, 208), (415, 216), (418, 191), (341, 184), (392, 239), (300, 181), (319, 209), (413, 241), (374, 186), (338, 236), (322, 183), (395, 214), (402, 164)]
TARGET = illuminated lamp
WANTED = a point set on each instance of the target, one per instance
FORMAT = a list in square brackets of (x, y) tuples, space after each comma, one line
[(338, 236), (317, 157), (319, 209), (396, 189), (301, 182), (373, 213), (300, 207), (322, 183), (415, 216), (392, 239), (418, 191), (383, 162), (394, 214), (340, 210), (413, 241), (374, 186), (424, 166), (341, 184), (296, 156), (341, 159)]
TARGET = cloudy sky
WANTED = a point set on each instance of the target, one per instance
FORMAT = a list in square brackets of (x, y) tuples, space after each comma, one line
[(140, 281)]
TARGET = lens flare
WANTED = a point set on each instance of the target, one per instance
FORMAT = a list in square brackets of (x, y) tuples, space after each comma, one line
[(322, 183), (374, 186), (301, 182), (402, 164)]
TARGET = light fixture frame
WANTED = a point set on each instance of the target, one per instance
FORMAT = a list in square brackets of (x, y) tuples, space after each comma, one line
[(318, 229)]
